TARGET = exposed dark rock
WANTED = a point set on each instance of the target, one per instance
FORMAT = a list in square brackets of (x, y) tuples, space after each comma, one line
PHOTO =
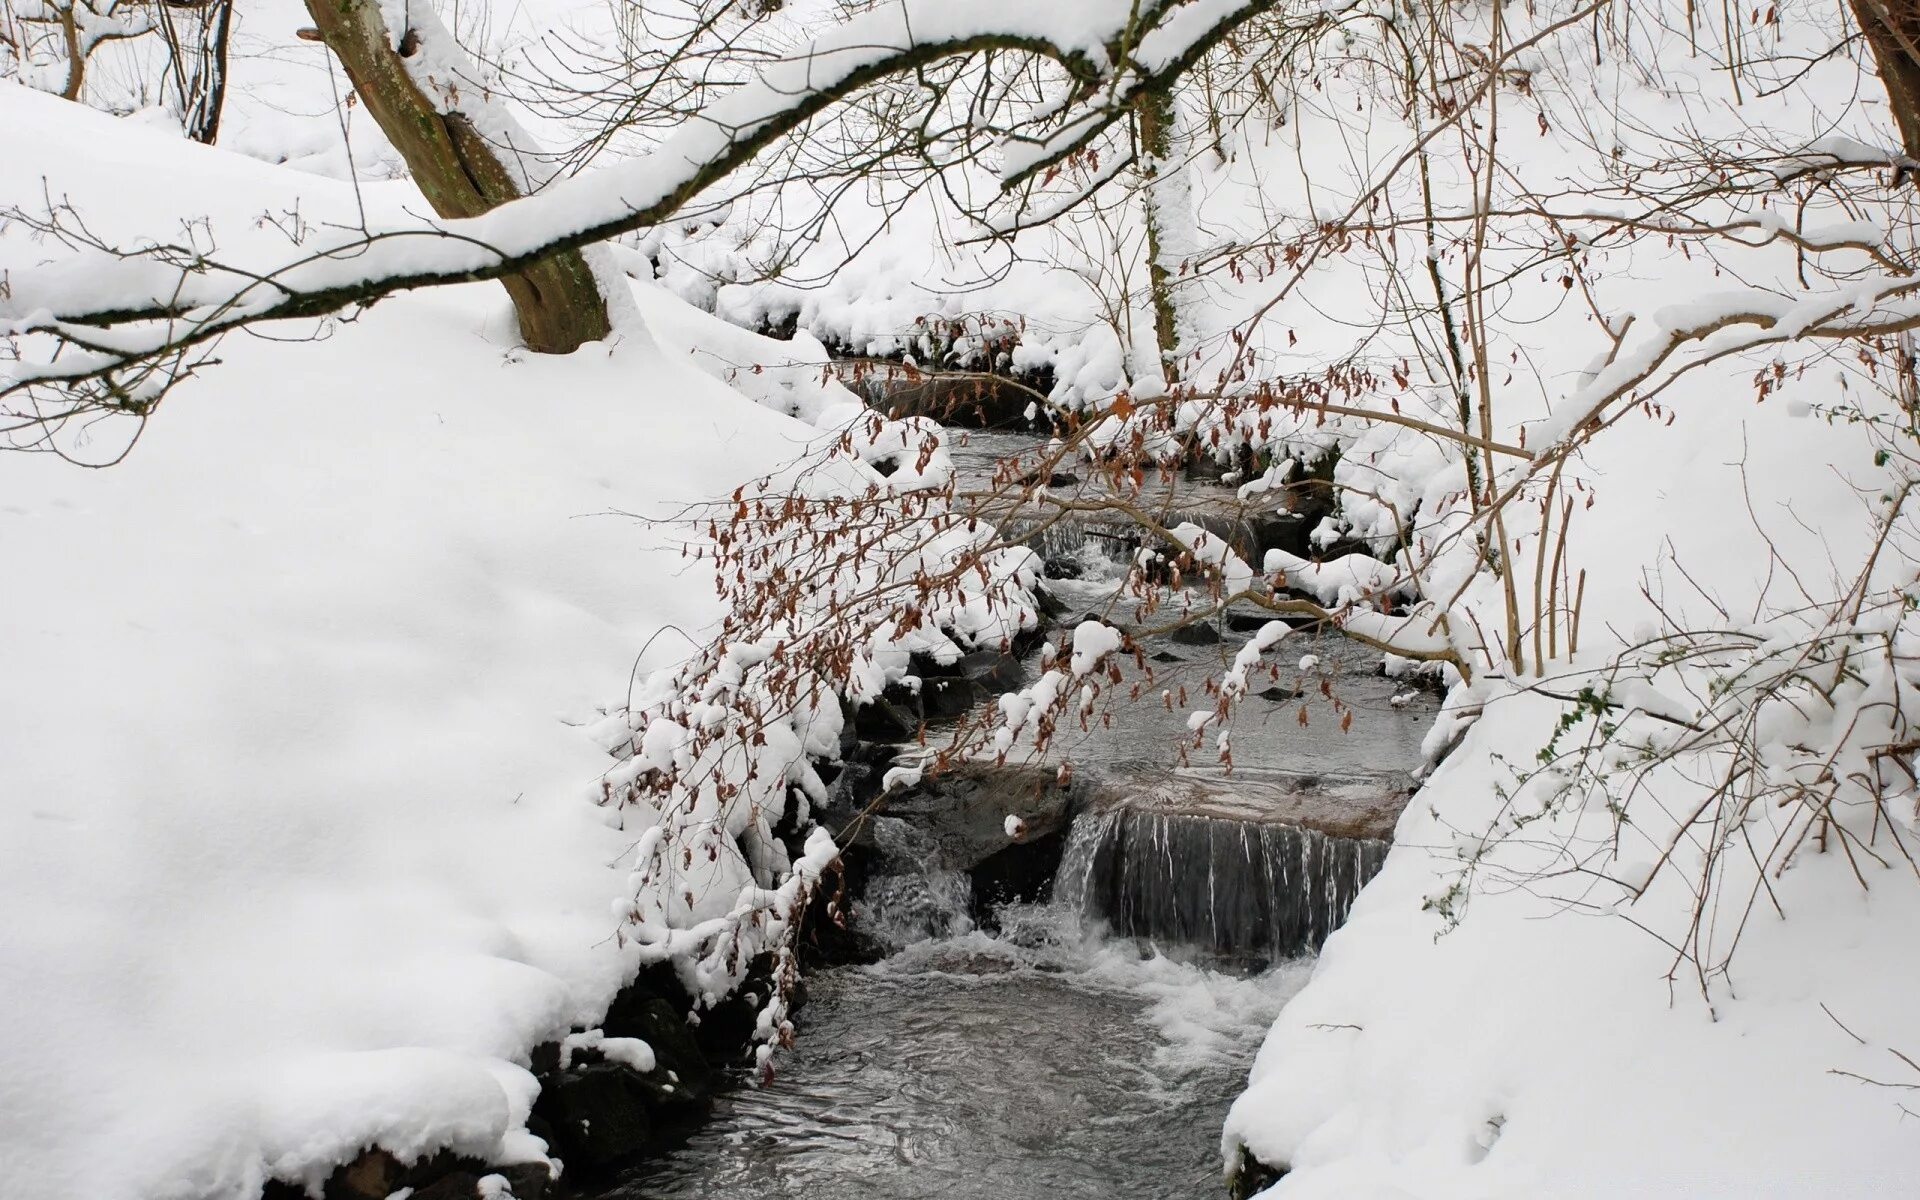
[(885, 719), (596, 1113), (999, 671), (457, 1185), (966, 401), (962, 812), (375, 1174), (725, 1031), (677, 1055), (1249, 1177), (529, 1181), (1197, 634), (1166, 656), (1022, 873), (594, 1116), (1278, 694)]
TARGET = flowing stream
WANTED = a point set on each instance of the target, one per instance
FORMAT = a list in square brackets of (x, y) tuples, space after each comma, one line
[(1088, 1046), (1043, 1063)]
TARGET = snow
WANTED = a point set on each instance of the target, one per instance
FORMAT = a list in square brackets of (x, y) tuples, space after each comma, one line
[(308, 701), (302, 850), (632, 1052)]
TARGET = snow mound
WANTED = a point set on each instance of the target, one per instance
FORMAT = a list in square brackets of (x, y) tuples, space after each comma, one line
[(301, 849)]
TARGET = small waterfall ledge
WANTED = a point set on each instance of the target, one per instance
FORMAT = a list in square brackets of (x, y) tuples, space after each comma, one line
[(1250, 869)]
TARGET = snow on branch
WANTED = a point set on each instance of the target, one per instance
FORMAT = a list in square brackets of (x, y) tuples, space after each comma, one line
[(82, 323)]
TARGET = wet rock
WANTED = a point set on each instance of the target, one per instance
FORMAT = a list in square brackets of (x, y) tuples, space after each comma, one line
[(1249, 1177), (1022, 872), (1353, 806), (527, 1181), (996, 670), (967, 402), (725, 1031), (946, 699), (1247, 622), (1250, 869), (678, 1057), (594, 1116), (1277, 695), (1166, 656), (1291, 531), (962, 813), (1197, 634), (886, 719), (854, 785)]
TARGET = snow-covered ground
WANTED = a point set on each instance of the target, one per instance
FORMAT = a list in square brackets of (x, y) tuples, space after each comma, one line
[(299, 846)]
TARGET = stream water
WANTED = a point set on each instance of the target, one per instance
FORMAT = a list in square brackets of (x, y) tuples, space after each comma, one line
[(1051, 1059), (1042, 1063)]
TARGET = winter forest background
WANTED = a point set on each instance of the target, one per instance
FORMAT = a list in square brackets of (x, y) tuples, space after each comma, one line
[(568, 566)]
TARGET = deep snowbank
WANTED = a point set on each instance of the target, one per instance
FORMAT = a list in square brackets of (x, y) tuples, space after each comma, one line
[(298, 844), (1538, 1050)]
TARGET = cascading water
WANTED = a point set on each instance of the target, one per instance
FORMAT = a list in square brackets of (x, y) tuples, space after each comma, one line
[(1042, 1062), (1025, 1052), (1241, 889)]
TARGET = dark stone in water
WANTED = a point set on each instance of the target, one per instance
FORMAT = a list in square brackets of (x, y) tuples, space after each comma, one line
[(1166, 656), (1248, 622), (945, 699), (1280, 694), (884, 719), (594, 1116), (965, 401), (1021, 873), (996, 670), (596, 1113), (959, 816), (635, 1013), (1249, 1177), (1057, 479), (1198, 634)]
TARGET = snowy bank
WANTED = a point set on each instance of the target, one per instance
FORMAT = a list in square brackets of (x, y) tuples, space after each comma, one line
[(300, 845)]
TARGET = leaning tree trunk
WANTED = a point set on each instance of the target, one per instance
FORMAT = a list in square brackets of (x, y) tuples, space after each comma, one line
[(1892, 28), (462, 174)]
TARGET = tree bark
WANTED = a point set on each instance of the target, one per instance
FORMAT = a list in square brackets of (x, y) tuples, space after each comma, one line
[(1892, 29), (557, 299), (198, 34), (1154, 111)]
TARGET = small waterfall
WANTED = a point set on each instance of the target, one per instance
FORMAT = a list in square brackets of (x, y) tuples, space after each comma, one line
[(1075, 547), (912, 899), (1245, 889)]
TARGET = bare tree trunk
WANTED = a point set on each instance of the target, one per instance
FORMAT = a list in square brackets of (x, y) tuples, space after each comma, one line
[(1892, 28), (1167, 214), (462, 175), (197, 61)]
